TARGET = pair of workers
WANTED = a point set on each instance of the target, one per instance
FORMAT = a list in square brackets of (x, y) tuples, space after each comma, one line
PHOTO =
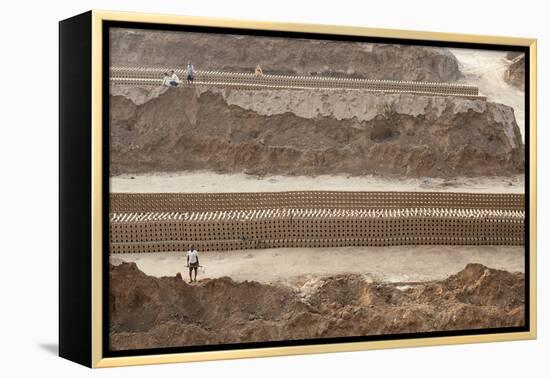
[(171, 79)]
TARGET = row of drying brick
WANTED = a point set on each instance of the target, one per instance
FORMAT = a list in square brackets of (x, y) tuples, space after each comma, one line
[(259, 214), (147, 76), (258, 232), (204, 202), (237, 245)]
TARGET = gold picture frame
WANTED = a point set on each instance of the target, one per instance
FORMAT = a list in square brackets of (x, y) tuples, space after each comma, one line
[(94, 22)]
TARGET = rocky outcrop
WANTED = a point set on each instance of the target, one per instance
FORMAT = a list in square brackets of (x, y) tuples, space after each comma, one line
[(282, 55), (149, 312), (515, 73), (311, 132)]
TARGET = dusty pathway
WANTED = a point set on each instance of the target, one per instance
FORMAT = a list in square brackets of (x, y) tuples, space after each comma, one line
[(209, 182), (392, 264)]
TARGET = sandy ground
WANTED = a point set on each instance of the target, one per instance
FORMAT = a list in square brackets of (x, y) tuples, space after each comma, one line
[(205, 182), (485, 69), (391, 264)]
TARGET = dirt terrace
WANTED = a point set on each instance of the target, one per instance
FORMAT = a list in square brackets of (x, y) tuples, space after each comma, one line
[(150, 312)]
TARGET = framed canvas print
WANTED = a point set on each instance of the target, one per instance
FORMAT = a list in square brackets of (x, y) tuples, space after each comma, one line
[(235, 189)]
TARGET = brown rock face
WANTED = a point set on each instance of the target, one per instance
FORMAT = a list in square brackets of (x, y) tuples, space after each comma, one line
[(515, 73), (148, 312), (282, 56), (313, 132)]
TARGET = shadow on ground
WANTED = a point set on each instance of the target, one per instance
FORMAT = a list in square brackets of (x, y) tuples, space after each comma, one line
[(51, 348)]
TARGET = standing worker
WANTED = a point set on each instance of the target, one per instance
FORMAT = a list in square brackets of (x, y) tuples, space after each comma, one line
[(190, 73), (192, 262)]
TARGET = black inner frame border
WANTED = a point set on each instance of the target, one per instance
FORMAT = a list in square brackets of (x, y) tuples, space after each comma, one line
[(106, 25)]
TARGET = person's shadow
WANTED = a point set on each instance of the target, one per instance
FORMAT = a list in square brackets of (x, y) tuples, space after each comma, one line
[(51, 348)]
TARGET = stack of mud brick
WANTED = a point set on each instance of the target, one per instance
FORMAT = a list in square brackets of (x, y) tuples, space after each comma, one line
[(151, 76), (236, 221)]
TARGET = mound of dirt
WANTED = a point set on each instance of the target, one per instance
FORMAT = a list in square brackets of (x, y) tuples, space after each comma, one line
[(149, 312), (306, 132), (515, 73), (282, 55)]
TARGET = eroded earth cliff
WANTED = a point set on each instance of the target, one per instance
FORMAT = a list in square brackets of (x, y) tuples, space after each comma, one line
[(240, 53), (311, 132)]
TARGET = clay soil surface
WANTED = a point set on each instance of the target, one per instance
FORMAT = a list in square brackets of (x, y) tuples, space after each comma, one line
[(151, 312), (321, 132)]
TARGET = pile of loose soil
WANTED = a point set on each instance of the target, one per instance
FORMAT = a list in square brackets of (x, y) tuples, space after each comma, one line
[(314, 133), (149, 312)]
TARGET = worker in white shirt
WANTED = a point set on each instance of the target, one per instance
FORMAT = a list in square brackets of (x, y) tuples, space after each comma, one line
[(192, 262), (171, 79)]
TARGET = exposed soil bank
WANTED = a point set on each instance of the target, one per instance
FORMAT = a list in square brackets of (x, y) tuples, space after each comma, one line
[(486, 69), (149, 312), (241, 53), (314, 133)]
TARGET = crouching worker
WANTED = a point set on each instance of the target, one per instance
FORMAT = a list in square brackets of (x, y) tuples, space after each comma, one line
[(192, 262), (171, 79)]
